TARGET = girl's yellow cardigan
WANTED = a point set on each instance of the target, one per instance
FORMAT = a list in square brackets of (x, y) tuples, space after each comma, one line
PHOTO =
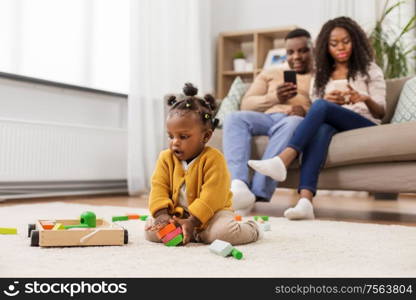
[(207, 185)]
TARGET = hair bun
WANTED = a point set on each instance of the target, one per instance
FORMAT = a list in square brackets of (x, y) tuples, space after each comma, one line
[(170, 99), (189, 89)]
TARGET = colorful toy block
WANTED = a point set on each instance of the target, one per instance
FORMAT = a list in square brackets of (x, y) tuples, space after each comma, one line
[(58, 226), (225, 249), (143, 218), (175, 241), (132, 217), (4, 230), (237, 218), (171, 235), (264, 218), (47, 225), (119, 218), (87, 220), (165, 230)]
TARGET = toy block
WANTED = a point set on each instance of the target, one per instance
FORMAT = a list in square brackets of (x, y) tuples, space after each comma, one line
[(264, 218), (87, 220), (171, 235), (265, 226), (47, 225), (175, 241), (143, 218), (165, 230), (237, 218), (58, 226), (8, 230), (225, 249), (120, 218), (132, 217)]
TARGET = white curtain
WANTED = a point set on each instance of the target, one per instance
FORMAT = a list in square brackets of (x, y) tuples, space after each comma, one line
[(170, 45)]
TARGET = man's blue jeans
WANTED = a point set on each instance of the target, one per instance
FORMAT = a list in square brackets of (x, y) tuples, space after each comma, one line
[(239, 128), (313, 135)]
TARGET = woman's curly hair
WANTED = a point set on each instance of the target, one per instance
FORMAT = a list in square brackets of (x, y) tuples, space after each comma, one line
[(189, 102), (361, 57)]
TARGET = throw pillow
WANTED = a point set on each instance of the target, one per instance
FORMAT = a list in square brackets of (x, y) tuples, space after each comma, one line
[(406, 107), (231, 102)]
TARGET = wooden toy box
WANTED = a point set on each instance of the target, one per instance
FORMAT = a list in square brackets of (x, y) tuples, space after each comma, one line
[(104, 234)]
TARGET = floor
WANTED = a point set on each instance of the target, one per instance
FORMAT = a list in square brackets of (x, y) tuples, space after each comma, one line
[(349, 206)]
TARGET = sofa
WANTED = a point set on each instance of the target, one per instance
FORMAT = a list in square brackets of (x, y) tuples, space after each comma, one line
[(379, 159)]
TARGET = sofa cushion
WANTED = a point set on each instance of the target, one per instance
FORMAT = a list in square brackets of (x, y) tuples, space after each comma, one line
[(393, 90), (383, 143), (406, 107), (231, 102)]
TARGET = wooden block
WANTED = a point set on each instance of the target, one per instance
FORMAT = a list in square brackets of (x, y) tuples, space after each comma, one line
[(175, 241), (4, 230), (171, 235), (133, 217), (221, 248), (58, 226), (237, 218), (165, 230)]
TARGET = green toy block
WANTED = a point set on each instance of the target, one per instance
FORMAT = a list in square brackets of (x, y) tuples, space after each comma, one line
[(8, 230), (175, 241), (87, 220), (120, 218), (264, 218), (143, 218)]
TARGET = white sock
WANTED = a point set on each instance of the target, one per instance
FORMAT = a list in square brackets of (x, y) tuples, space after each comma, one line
[(243, 198), (302, 210), (273, 167)]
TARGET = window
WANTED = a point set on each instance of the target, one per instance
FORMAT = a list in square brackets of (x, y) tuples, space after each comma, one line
[(80, 42)]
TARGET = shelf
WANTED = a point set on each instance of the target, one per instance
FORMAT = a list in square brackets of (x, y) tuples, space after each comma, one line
[(256, 42)]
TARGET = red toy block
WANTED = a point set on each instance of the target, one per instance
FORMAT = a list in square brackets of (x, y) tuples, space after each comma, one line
[(171, 235), (165, 230), (47, 225)]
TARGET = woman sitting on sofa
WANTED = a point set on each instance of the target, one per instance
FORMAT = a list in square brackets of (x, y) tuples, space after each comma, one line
[(349, 92)]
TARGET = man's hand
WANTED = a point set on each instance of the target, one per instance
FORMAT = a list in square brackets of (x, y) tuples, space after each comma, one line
[(297, 110), (188, 225), (335, 97), (285, 91)]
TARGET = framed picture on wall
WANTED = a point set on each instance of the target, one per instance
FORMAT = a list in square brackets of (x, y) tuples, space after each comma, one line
[(275, 58)]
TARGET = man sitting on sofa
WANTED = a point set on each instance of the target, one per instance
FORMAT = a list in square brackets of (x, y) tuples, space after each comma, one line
[(270, 107)]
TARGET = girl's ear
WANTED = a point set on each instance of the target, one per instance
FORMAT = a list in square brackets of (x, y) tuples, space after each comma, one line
[(207, 135)]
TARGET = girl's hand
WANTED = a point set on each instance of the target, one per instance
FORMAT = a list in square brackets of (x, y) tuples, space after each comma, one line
[(159, 222), (355, 96), (188, 225), (335, 96)]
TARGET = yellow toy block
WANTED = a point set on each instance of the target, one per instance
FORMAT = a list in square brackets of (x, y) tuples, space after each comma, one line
[(8, 230), (58, 226)]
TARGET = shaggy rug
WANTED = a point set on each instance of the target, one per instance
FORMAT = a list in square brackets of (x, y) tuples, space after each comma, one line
[(291, 249)]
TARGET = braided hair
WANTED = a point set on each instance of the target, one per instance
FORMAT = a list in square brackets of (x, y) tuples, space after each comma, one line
[(361, 57), (189, 102)]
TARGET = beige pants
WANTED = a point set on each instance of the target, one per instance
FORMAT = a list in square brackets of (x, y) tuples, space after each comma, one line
[(222, 226)]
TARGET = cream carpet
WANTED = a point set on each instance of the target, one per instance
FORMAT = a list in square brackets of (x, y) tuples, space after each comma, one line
[(291, 249)]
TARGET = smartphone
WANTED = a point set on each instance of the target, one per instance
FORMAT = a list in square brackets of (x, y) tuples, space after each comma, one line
[(289, 76)]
